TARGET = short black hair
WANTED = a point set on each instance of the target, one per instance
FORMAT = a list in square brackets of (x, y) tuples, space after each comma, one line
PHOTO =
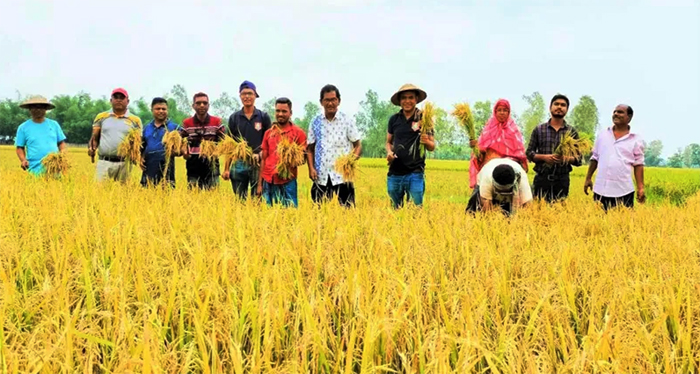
[(559, 97), (503, 174), (199, 94), (630, 112), (158, 100), (329, 88), (284, 100)]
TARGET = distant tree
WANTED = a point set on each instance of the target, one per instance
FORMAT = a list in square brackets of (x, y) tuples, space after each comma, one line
[(11, 116), (182, 99), (691, 155), (372, 121), (481, 111), (533, 115), (269, 108), (676, 160), (311, 110), (584, 116), (224, 106), (652, 153)]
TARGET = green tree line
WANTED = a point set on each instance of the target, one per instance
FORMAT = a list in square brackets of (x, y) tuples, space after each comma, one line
[(76, 113)]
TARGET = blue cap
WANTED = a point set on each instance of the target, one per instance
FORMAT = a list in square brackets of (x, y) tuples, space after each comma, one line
[(248, 84)]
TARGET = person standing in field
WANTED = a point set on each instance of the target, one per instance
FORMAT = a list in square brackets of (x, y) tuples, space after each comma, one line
[(39, 136), (331, 135), (108, 131), (500, 138), (406, 176), (271, 186), (501, 183), (201, 173), (617, 153), (249, 124), (551, 181), (153, 156)]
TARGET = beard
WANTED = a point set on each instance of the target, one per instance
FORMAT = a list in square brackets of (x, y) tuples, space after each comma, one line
[(558, 116)]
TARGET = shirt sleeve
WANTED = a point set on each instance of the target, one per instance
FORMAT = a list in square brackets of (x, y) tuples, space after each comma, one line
[(20, 139), (533, 145), (524, 190), (265, 148), (98, 120), (312, 135), (353, 132), (267, 122), (232, 128), (638, 153), (60, 136), (390, 126), (596, 151)]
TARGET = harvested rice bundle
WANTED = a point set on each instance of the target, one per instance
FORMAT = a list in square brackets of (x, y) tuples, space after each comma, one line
[(235, 150), (207, 150), (463, 113), (571, 147), (130, 147), (347, 165), (56, 163), (172, 142), (427, 125), (291, 155)]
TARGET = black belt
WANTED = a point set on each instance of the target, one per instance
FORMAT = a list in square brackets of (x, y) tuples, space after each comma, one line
[(111, 158), (556, 177)]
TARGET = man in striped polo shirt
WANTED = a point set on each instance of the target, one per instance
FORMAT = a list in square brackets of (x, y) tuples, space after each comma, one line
[(202, 126), (108, 131)]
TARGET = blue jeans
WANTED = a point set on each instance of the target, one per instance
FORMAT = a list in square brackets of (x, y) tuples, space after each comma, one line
[(244, 176), (280, 193), (411, 186)]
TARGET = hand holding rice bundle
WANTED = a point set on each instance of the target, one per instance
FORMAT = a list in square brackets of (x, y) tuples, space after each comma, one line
[(464, 116), (291, 155), (348, 166), (172, 142), (208, 151), (130, 147), (56, 163), (570, 147), (235, 150)]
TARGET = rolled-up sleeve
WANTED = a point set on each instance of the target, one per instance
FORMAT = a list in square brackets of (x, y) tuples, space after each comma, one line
[(638, 153)]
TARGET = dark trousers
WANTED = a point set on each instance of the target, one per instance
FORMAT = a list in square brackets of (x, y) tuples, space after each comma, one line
[(155, 166), (474, 203), (612, 202), (551, 187), (345, 192), (244, 177)]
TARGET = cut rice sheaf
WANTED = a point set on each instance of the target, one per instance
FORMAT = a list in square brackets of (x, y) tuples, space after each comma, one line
[(130, 147), (290, 155), (347, 166), (56, 163)]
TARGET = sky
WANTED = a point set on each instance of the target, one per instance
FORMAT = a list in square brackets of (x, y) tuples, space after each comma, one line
[(638, 52)]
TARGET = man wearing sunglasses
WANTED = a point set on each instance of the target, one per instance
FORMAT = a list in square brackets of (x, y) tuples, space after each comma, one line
[(153, 158), (108, 131), (501, 183), (38, 136), (201, 173)]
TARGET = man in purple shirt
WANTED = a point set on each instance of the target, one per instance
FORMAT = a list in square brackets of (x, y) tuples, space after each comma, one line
[(617, 152)]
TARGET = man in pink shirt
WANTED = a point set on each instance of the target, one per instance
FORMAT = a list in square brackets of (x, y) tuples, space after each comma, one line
[(617, 152)]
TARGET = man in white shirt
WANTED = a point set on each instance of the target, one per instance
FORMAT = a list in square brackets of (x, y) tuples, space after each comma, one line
[(331, 135), (501, 183)]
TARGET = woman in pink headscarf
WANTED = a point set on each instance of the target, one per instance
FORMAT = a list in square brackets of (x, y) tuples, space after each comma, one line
[(500, 138)]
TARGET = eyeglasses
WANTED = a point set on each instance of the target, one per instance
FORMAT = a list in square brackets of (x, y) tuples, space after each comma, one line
[(201, 103), (247, 94), (330, 101)]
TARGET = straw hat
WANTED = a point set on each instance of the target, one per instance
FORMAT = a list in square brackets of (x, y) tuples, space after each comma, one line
[(408, 87), (36, 100)]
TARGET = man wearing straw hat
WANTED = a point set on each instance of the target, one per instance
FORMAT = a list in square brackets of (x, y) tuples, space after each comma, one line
[(406, 176), (38, 136), (108, 131)]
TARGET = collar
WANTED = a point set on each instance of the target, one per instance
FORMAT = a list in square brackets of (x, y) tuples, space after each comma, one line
[(563, 126), (165, 124), (415, 117), (256, 112), (630, 134), (206, 121), (126, 114), (338, 116)]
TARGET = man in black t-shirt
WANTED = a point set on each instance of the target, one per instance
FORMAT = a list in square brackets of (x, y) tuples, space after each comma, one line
[(406, 164), (250, 124)]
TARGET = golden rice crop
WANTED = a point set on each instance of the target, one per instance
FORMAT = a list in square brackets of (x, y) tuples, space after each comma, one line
[(130, 146), (572, 147), (208, 151), (172, 142), (290, 154), (347, 166), (112, 278), (56, 163), (464, 116), (235, 150)]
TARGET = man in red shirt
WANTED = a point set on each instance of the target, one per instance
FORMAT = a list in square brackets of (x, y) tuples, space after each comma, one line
[(202, 126), (270, 185)]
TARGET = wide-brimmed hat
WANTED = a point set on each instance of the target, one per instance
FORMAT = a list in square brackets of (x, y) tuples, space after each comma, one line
[(36, 100), (408, 87)]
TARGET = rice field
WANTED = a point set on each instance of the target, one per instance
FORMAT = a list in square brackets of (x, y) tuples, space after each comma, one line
[(109, 278)]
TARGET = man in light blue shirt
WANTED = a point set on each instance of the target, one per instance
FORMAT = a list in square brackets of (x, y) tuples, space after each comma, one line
[(39, 136)]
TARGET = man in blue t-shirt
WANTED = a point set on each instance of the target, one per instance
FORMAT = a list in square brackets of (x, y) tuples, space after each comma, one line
[(154, 161), (39, 136)]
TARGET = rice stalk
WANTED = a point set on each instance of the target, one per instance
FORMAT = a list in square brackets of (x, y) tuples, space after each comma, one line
[(427, 126), (348, 166), (56, 163), (572, 147), (208, 151), (290, 155), (130, 147), (235, 150), (464, 116), (172, 141)]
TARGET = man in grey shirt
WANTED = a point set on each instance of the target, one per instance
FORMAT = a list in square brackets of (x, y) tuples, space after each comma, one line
[(108, 131)]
